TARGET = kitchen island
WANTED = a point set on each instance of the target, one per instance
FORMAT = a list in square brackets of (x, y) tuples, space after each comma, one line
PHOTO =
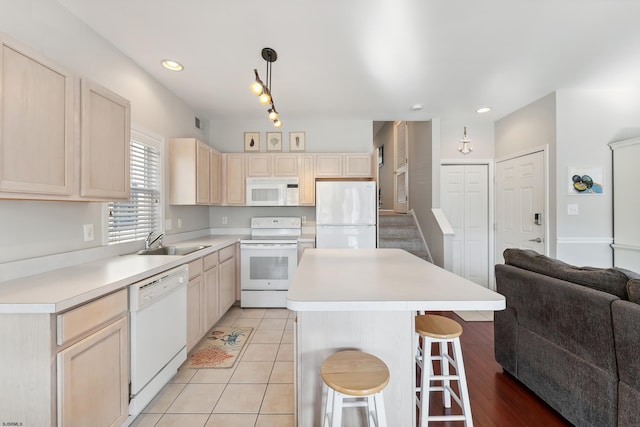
[(366, 299)]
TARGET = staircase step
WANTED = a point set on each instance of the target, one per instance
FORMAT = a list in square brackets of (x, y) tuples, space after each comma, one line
[(406, 244), (399, 219), (398, 231)]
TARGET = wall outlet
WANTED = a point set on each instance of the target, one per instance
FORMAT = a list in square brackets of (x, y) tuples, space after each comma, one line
[(168, 224), (303, 219), (224, 219), (179, 222), (88, 232)]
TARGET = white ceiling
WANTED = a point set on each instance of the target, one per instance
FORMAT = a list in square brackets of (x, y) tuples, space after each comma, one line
[(373, 59)]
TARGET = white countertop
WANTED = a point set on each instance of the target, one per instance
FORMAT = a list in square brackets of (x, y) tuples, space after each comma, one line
[(381, 280), (58, 290)]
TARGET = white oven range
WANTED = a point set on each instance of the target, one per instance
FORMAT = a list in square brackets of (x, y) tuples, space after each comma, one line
[(268, 261)]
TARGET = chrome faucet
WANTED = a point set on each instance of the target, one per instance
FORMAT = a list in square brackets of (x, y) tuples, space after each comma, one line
[(148, 242)]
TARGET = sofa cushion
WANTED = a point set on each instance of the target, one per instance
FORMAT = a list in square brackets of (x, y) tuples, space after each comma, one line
[(610, 280), (633, 289)]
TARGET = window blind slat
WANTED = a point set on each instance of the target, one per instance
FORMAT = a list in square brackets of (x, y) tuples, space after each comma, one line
[(136, 218)]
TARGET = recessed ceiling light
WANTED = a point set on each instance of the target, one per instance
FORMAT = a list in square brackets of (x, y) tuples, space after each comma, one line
[(416, 107), (172, 65), (483, 110)]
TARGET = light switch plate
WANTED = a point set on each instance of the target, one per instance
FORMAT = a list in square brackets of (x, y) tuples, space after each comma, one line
[(573, 209)]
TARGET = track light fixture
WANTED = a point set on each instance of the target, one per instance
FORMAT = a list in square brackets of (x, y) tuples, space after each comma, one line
[(262, 90)]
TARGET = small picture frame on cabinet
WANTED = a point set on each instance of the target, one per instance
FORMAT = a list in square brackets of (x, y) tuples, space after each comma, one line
[(252, 141), (274, 141), (296, 141)]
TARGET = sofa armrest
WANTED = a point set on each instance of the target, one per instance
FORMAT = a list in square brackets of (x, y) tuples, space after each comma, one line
[(574, 317)]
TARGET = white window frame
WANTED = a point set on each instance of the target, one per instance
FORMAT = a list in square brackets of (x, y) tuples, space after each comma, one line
[(156, 141)]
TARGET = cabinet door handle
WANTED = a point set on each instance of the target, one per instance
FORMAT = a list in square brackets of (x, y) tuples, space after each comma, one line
[(537, 239)]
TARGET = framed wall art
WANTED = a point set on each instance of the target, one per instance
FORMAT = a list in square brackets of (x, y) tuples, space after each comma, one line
[(585, 180), (252, 141), (274, 141), (296, 141)]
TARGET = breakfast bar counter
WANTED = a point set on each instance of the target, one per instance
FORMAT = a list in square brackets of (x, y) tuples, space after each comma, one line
[(366, 299)]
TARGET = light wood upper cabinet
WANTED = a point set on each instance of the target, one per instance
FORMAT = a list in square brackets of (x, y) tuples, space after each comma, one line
[(307, 180), (189, 172), (328, 165), (215, 177), (266, 165), (203, 183), (345, 165), (37, 140), (234, 179), (226, 183), (357, 165), (105, 136), (259, 165), (285, 165), (51, 146)]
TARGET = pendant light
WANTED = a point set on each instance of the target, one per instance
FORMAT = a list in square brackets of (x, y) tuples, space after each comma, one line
[(465, 147), (262, 90)]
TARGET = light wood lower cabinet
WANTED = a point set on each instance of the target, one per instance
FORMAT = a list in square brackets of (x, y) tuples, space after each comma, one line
[(195, 304), (93, 379), (69, 369), (227, 284), (211, 291)]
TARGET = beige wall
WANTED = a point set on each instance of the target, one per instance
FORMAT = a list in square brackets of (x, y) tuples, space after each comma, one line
[(33, 229), (385, 172), (530, 127)]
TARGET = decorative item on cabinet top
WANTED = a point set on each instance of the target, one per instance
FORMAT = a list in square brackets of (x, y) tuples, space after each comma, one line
[(296, 141), (274, 141), (252, 141)]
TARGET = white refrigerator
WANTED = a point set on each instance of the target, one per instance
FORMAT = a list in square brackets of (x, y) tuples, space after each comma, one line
[(346, 214)]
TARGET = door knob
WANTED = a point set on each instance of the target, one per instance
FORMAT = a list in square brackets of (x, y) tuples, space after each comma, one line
[(537, 240)]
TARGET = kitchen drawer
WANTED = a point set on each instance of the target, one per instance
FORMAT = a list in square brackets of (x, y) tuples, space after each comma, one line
[(79, 321), (228, 252), (195, 268), (210, 261)]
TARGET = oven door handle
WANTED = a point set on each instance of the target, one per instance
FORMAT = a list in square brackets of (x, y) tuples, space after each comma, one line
[(270, 246)]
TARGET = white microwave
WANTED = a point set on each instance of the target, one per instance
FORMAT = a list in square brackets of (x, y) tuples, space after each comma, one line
[(272, 192)]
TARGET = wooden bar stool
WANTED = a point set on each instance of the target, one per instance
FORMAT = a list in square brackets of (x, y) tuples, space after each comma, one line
[(354, 378), (441, 330)]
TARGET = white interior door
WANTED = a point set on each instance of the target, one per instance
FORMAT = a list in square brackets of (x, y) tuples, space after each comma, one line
[(520, 209), (465, 201), (401, 168)]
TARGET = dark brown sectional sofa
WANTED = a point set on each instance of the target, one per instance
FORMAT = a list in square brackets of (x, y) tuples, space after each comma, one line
[(572, 336)]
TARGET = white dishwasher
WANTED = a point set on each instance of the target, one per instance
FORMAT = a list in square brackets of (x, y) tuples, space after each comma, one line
[(158, 333)]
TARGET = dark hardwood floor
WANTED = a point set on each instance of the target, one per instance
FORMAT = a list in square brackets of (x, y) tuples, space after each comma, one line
[(497, 399)]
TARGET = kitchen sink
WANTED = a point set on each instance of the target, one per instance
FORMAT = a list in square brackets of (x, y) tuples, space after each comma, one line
[(172, 250)]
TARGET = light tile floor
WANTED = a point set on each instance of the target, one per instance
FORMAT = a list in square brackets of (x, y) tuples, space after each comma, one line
[(256, 392)]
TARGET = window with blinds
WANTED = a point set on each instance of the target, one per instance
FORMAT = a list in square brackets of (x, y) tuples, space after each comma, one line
[(135, 219)]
